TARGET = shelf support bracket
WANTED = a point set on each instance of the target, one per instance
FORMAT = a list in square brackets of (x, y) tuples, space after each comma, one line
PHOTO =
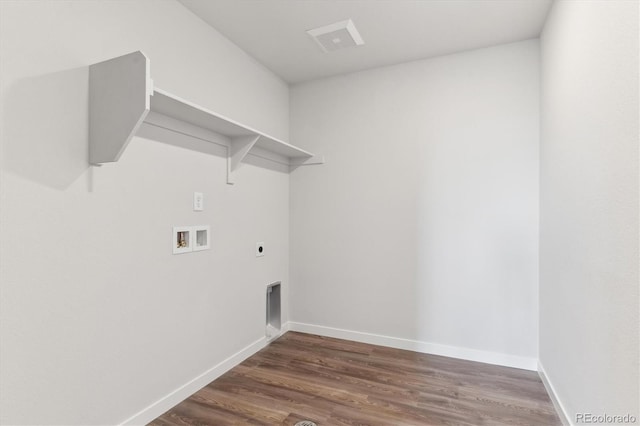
[(297, 162), (238, 149), (119, 91)]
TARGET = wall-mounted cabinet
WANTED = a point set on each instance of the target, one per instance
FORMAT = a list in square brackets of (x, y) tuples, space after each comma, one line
[(122, 96)]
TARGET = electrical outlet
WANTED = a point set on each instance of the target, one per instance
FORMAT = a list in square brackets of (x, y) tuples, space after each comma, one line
[(198, 201), (260, 249)]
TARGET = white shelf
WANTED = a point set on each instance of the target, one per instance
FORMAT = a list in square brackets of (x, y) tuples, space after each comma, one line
[(122, 97)]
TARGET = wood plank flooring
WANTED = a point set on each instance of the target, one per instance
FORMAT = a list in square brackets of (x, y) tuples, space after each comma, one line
[(338, 382)]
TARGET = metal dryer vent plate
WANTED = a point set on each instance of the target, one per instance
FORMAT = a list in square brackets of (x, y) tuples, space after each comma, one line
[(306, 423), (336, 36)]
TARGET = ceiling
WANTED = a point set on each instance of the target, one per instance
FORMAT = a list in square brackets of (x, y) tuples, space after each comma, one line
[(394, 31)]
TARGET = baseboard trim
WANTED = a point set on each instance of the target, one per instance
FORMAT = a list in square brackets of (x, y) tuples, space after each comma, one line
[(154, 410), (560, 409), (183, 392), (494, 358)]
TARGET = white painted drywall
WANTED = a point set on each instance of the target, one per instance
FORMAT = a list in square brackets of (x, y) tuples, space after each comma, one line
[(589, 206), (99, 319), (423, 223)]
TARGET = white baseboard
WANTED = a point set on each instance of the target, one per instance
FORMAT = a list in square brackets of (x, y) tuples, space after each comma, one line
[(283, 329), (183, 392), (417, 346), (562, 412)]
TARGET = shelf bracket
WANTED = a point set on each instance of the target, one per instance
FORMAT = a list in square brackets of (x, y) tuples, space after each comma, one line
[(297, 162), (119, 91), (238, 149)]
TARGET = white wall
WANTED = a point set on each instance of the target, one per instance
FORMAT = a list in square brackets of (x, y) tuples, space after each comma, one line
[(99, 320), (589, 206), (423, 223)]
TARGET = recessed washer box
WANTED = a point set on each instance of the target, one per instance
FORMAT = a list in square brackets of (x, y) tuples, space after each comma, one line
[(182, 239), (186, 239), (201, 237)]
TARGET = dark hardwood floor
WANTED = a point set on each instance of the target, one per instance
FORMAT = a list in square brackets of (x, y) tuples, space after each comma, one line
[(338, 382)]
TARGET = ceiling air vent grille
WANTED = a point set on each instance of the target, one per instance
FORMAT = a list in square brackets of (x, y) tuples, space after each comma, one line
[(336, 36)]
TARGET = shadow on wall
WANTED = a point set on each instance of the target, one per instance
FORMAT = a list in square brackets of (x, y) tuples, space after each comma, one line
[(46, 122)]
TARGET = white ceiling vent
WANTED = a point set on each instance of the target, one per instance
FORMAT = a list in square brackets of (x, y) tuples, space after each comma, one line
[(336, 36)]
